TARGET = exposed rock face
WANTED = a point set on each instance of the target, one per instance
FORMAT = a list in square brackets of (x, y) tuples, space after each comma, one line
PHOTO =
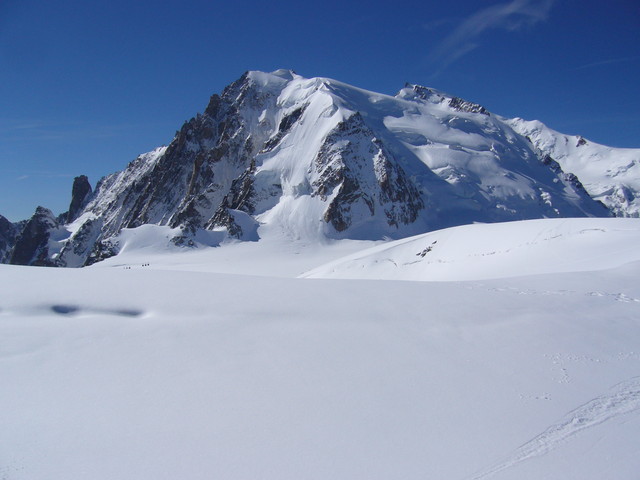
[(80, 193), (84, 247), (241, 198), (8, 233), (360, 180), (463, 106), (569, 178), (32, 245), (316, 158), (184, 184), (102, 250), (434, 96), (285, 125)]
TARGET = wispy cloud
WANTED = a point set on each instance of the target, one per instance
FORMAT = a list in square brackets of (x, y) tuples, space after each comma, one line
[(465, 37), (30, 175), (610, 61), (35, 130)]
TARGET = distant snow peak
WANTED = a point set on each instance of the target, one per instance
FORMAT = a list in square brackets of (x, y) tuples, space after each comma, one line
[(279, 154), (609, 175)]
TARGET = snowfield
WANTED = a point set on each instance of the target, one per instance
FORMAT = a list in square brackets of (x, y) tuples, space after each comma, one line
[(481, 251), (219, 363)]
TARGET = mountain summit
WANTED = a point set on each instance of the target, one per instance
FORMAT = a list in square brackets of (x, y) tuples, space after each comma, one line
[(276, 153)]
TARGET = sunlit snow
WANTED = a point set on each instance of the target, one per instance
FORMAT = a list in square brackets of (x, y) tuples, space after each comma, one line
[(216, 362)]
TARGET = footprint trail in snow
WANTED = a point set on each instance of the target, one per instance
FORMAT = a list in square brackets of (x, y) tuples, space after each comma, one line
[(625, 398)]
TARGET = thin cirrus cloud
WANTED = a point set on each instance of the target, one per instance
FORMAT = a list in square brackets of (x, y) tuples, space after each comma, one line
[(29, 176), (31, 131), (610, 61), (466, 36)]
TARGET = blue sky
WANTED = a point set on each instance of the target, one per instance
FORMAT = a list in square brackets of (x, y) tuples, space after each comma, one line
[(86, 86)]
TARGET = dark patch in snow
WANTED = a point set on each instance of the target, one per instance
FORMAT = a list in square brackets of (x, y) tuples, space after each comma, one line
[(65, 309), (426, 250)]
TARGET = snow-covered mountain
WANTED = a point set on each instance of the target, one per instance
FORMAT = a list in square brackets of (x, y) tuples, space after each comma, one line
[(279, 154), (610, 175)]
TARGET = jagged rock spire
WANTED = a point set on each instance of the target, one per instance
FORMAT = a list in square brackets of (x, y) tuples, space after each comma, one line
[(80, 194)]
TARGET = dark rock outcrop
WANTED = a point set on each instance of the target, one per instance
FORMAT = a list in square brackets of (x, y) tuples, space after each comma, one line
[(102, 250), (8, 234), (80, 194), (81, 245), (465, 106), (32, 245), (284, 127), (356, 170)]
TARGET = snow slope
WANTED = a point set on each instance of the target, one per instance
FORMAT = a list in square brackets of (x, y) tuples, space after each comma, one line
[(214, 252), (611, 175), (480, 251), (166, 369)]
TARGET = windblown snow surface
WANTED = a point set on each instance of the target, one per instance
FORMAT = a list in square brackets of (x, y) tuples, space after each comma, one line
[(220, 363)]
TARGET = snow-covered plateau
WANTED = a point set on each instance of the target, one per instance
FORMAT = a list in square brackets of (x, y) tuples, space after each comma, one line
[(228, 362)]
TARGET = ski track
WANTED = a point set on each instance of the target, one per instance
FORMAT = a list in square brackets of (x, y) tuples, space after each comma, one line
[(624, 399), (617, 296)]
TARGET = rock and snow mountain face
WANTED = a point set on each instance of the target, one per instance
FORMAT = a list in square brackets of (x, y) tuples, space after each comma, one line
[(312, 159), (610, 175), (8, 234), (32, 245)]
